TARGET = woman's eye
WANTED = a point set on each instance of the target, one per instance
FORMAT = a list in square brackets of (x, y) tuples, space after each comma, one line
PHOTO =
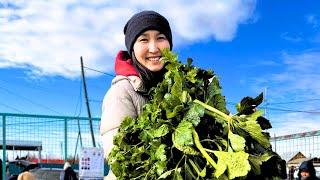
[(162, 37), (143, 40)]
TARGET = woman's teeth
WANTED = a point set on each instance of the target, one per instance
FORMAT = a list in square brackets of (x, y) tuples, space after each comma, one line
[(154, 58)]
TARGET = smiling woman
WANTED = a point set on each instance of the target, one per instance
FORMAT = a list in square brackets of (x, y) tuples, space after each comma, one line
[(147, 49), (137, 70)]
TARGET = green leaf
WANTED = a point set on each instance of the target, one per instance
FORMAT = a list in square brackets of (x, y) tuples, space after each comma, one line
[(137, 152), (255, 131), (170, 101), (176, 89), (189, 61), (177, 175), (256, 161), (254, 116), (182, 138), (173, 113), (264, 123), (187, 150), (185, 97), (236, 163), (166, 174), (116, 168), (196, 168), (183, 134), (259, 99), (191, 75), (161, 131), (194, 114), (221, 168), (237, 142), (255, 164), (160, 167), (161, 153), (169, 56), (248, 104), (127, 123), (214, 97), (213, 89)]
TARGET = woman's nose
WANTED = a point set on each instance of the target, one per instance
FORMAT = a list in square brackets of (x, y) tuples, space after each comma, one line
[(153, 47)]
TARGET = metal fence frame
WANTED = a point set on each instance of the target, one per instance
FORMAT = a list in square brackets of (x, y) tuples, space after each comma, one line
[(308, 143), (66, 119)]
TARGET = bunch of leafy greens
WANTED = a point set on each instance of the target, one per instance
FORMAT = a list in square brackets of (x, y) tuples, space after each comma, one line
[(185, 132)]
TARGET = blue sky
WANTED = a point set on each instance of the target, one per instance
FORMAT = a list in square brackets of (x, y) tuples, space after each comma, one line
[(253, 46)]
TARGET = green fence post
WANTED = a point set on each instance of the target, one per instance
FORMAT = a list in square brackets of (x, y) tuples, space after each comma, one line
[(65, 139), (4, 147)]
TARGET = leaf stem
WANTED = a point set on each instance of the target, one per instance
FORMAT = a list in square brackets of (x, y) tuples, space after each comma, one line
[(209, 150), (202, 149), (219, 113), (212, 109), (179, 163)]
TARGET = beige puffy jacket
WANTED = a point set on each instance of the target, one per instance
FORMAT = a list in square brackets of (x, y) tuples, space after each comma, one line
[(122, 99)]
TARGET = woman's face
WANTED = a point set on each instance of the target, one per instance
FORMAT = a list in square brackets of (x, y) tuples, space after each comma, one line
[(147, 49)]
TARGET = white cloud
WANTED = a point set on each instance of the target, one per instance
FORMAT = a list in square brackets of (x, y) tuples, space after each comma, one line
[(297, 73), (297, 81), (260, 63), (292, 123), (303, 72), (48, 37), (291, 37), (313, 20)]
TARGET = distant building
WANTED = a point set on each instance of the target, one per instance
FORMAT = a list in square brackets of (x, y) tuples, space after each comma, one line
[(297, 159)]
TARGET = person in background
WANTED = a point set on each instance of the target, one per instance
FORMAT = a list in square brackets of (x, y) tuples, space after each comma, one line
[(26, 176), (137, 70), (0, 168), (307, 171), (291, 172), (68, 173)]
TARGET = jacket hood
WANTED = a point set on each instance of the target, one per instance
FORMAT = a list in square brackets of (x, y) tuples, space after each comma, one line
[(124, 66), (307, 166)]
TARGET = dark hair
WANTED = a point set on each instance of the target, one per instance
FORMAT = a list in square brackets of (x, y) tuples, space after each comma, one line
[(150, 78)]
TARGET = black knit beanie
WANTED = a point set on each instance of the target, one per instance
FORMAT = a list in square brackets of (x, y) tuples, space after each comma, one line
[(143, 21)]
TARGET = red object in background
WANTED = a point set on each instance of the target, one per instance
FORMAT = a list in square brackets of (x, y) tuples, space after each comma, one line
[(47, 161)]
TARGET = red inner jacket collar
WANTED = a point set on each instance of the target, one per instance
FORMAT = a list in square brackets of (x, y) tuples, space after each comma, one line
[(123, 65)]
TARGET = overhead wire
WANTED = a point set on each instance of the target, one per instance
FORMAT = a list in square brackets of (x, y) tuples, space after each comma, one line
[(79, 137), (294, 110), (291, 102), (42, 89), (95, 101), (30, 101), (108, 74), (285, 109), (10, 107), (79, 102)]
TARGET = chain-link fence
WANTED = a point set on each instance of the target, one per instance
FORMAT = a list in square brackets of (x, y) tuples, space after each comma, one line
[(45, 139), (307, 143)]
